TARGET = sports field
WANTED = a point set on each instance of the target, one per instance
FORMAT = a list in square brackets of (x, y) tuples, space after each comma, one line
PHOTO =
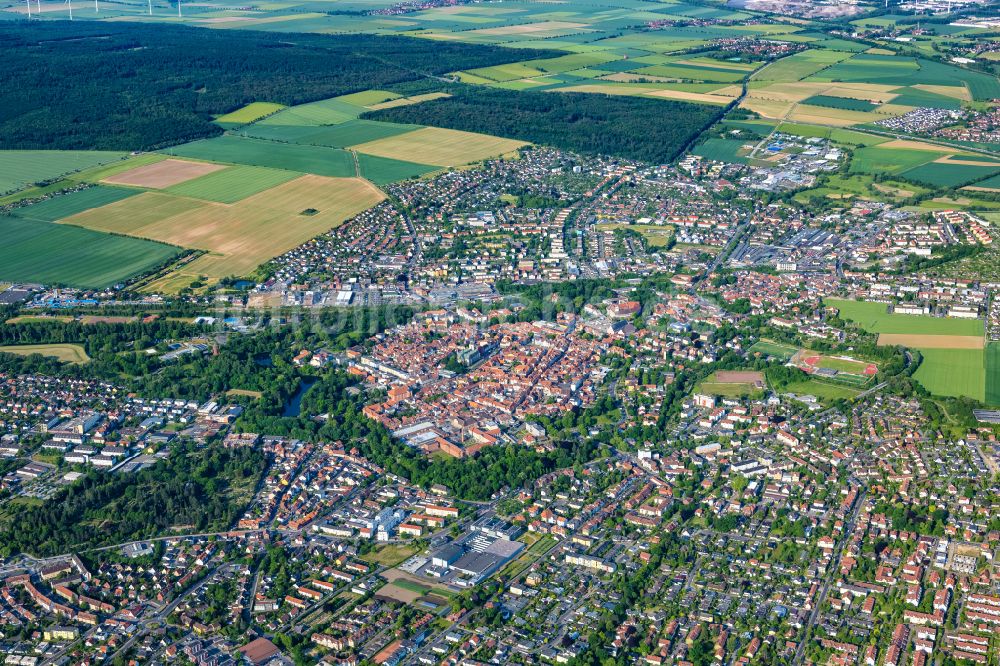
[(440, 147), (778, 350), (37, 251), (240, 236), (68, 353)]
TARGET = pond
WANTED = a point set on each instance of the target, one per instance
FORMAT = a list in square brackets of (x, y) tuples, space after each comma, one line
[(294, 405)]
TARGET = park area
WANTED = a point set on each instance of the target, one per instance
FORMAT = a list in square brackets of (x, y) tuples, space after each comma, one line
[(69, 353)]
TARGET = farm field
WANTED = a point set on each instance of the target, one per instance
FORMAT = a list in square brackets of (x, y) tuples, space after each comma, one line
[(319, 160), (932, 341), (69, 353), (953, 372), (992, 365), (240, 236), (163, 174), (65, 205), (21, 168), (440, 147), (340, 135), (250, 113), (35, 251), (233, 183)]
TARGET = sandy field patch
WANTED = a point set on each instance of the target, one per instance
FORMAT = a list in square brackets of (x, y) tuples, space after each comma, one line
[(163, 174), (931, 341), (531, 28), (739, 377), (690, 96)]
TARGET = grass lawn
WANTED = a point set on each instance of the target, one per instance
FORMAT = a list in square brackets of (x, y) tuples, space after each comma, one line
[(392, 554), (775, 349), (875, 318), (825, 391)]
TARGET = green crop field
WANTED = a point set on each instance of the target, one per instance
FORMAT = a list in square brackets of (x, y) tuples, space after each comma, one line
[(233, 183), (953, 372), (722, 150), (846, 103), (875, 318), (874, 160), (20, 168), (318, 160), (345, 134), (382, 170), (326, 112), (36, 251), (949, 174), (64, 205), (250, 113), (992, 365), (800, 65)]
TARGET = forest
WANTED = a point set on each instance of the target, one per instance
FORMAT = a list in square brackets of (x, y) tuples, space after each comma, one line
[(201, 489), (131, 86), (649, 130)]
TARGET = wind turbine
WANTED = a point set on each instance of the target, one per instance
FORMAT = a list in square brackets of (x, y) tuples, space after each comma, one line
[(69, 3), (178, 8), (29, 8), (96, 9), (150, 7)]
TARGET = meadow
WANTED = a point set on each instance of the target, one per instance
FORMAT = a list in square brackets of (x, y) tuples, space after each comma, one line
[(68, 353), (992, 365)]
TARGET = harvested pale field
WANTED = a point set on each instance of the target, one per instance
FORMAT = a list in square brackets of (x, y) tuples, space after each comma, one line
[(951, 159), (767, 108), (958, 92), (539, 29), (406, 101), (909, 144), (163, 174), (627, 77), (240, 236), (690, 96), (931, 341), (606, 90), (440, 147), (833, 117)]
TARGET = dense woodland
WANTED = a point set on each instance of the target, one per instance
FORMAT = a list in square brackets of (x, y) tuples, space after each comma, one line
[(131, 86), (650, 130), (200, 490)]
